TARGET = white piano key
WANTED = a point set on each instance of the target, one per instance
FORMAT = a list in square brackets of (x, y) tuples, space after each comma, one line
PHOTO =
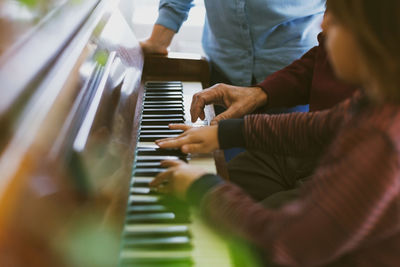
[(143, 198)]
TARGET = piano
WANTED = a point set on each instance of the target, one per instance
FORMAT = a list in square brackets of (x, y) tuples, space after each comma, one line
[(80, 107)]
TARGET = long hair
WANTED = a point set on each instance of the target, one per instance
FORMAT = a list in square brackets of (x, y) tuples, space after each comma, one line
[(376, 27)]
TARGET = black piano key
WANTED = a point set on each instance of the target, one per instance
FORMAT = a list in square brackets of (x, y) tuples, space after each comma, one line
[(167, 93), (147, 111), (171, 85), (164, 106), (181, 214), (141, 181), (154, 127), (153, 261), (163, 98), (163, 243), (165, 103), (158, 217), (147, 209), (154, 164), (158, 135), (163, 90), (158, 231), (163, 83), (159, 131), (149, 165), (156, 264), (152, 138), (180, 208), (153, 83), (151, 217), (164, 116), (164, 87), (144, 172), (161, 121)]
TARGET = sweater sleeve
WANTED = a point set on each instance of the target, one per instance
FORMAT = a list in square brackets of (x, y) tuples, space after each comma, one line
[(291, 86), (295, 134), (172, 13), (349, 201)]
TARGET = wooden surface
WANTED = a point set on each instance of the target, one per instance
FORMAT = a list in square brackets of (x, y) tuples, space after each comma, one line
[(176, 66), (45, 209)]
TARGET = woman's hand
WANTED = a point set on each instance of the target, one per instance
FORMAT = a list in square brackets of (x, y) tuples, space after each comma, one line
[(193, 140), (177, 178)]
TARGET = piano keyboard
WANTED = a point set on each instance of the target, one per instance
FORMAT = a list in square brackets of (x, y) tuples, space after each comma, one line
[(160, 230)]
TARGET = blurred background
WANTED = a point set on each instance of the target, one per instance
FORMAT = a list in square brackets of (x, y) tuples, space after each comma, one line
[(141, 15)]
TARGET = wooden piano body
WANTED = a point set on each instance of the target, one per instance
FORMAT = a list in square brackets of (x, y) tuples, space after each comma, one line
[(70, 101)]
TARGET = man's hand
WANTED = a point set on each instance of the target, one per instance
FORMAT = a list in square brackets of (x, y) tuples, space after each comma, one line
[(150, 47), (193, 140), (239, 101), (159, 40), (177, 179)]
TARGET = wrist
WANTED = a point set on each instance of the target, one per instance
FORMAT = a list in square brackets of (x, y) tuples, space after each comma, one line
[(161, 36), (261, 97), (199, 188), (215, 136)]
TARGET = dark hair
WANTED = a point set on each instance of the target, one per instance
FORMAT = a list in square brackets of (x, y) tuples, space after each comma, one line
[(376, 27)]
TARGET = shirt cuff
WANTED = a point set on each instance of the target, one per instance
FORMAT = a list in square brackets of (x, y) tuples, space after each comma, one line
[(200, 187), (230, 133), (169, 19)]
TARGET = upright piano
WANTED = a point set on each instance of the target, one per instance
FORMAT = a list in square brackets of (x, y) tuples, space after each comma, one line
[(80, 108)]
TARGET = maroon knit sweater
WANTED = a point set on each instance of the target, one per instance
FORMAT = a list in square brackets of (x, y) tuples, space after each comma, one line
[(308, 80), (348, 215)]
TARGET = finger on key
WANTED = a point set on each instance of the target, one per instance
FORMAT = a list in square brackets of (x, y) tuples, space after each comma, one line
[(171, 163), (197, 108), (174, 142), (161, 178), (164, 140), (182, 127)]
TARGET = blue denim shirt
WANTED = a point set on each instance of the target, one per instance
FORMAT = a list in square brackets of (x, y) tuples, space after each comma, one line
[(246, 38)]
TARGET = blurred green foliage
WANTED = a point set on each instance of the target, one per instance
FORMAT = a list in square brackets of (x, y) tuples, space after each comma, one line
[(101, 57), (30, 3)]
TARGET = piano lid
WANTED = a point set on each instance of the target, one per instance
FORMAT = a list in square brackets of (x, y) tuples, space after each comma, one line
[(68, 97)]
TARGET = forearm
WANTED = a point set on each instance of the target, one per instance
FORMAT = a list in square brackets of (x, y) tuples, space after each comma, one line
[(161, 35), (286, 134), (298, 134), (172, 13), (295, 134)]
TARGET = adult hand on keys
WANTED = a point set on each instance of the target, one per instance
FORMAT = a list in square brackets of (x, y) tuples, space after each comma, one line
[(239, 101)]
